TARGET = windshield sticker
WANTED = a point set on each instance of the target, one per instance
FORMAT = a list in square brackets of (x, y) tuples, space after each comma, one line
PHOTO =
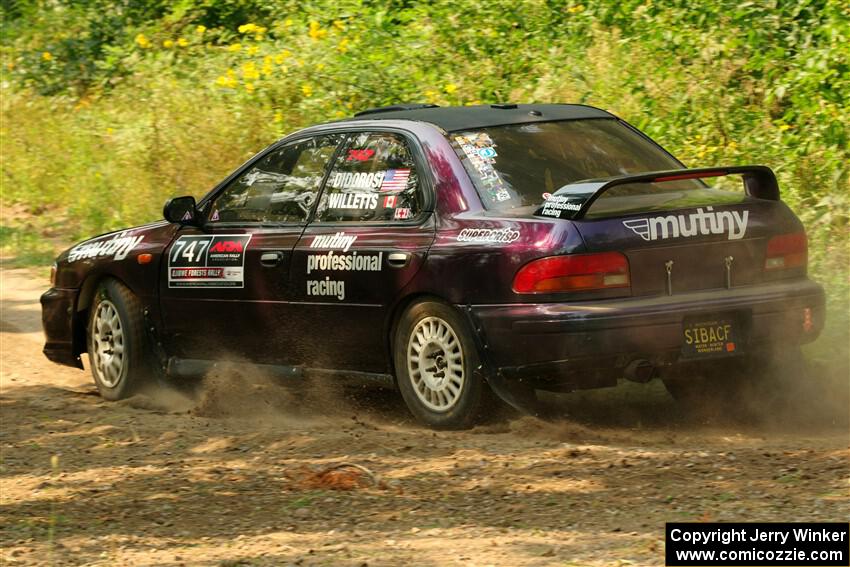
[(119, 246), (494, 235), (357, 180), (555, 205), (390, 201), (215, 216), (359, 155), (357, 200), (700, 223), (208, 261), (402, 213), (395, 180), (480, 151)]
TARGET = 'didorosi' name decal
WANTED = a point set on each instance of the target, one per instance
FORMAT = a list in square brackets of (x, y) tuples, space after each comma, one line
[(700, 223)]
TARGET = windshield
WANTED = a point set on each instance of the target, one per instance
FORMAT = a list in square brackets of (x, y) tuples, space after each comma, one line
[(514, 166)]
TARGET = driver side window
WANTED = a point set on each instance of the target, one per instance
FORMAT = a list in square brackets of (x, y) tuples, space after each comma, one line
[(280, 187)]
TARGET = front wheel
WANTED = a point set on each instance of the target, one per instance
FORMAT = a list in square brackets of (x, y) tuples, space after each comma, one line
[(435, 361), (116, 341)]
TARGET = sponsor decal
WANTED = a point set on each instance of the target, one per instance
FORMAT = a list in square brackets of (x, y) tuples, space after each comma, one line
[(494, 235), (354, 262), (338, 241), (208, 261), (390, 201), (479, 150), (359, 155), (502, 195), (402, 213), (326, 288), (352, 201), (701, 223), (395, 180), (487, 153), (557, 204), (214, 216), (349, 180), (117, 246), (547, 196)]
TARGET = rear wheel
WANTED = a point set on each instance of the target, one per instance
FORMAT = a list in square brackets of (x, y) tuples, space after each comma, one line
[(435, 360), (116, 341)]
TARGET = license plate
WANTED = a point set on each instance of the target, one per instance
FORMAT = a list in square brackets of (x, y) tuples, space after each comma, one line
[(709, 336)]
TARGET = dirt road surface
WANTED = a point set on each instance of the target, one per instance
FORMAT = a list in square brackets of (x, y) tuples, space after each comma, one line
[(238, 472)]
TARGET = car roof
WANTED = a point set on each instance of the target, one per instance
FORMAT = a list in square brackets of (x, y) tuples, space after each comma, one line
[(455, 118)]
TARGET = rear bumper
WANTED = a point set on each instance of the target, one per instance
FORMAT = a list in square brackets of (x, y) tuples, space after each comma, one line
[(58, 308), (583, 342)]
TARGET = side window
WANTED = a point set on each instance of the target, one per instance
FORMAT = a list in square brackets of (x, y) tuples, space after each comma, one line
[(281, 187), (374, 179)]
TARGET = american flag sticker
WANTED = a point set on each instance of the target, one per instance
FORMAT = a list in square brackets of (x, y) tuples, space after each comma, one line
[(395, 180), (390, 201)]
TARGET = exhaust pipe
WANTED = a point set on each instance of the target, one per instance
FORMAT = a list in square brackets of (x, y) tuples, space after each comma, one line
[(640, 371)]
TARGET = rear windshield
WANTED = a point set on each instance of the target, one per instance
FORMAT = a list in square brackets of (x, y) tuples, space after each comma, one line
[(516, 167)]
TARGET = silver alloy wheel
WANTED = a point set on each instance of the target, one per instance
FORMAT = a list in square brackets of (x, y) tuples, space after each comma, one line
[(435, 364), (108, 344)]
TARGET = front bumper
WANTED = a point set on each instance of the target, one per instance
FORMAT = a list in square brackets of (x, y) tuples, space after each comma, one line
[(58, 311), (584, 343)]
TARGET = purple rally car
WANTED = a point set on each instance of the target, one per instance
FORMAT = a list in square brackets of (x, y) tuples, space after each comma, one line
[(451, 253)]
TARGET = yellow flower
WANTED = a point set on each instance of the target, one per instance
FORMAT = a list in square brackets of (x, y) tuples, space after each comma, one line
[(182, 42), (234, 47), (226, 82), (283, 55), (249, 71), (142, 41), (109, 131), (288, 22), (339, 24), (249, 87), (168, 43), (320, 67), (575, 9), (783, 127), (200, 29), (343, 45), (247, 28), (316, 32), (253, 50), (307, 90), (278, 116), (431, 96), (47, 56), (339, 114), (450, 88)]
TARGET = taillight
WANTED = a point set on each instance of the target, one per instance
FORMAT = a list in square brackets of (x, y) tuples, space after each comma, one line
[(580, 272), (786, 251)]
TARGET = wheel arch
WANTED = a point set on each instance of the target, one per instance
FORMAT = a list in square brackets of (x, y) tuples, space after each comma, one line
[(84, 302)]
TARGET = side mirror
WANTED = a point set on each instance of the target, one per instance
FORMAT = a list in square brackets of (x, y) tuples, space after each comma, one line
[(180, 210)]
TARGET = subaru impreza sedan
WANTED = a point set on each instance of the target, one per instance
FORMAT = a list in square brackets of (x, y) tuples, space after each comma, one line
[(453, 254)]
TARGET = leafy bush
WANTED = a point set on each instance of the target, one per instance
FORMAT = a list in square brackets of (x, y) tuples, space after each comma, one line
[(110, 107)]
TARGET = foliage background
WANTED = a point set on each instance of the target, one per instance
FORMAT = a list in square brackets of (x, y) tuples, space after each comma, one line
[(109, 107)]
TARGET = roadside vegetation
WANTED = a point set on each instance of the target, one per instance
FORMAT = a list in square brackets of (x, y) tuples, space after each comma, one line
[(108, 108)]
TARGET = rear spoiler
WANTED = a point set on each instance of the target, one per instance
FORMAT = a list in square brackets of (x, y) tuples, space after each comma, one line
[(574, 200)]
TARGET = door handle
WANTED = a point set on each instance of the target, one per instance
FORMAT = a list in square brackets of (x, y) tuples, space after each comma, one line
[(398, 259), (270, 259)]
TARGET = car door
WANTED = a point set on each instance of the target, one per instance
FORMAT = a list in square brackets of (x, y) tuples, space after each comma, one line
[(370, 235), (225, 288)]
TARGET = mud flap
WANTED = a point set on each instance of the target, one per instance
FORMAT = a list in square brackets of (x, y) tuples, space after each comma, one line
[(520, 396)]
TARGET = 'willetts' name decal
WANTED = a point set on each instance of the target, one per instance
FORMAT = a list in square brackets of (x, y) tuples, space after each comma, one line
[(700, 223)]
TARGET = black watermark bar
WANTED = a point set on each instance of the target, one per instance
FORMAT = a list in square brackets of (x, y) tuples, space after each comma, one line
[(757, 543)]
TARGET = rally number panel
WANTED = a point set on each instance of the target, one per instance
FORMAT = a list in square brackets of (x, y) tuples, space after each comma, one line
[(208, 261)]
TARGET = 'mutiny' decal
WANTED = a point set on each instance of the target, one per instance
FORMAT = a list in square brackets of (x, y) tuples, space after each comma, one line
[(700, 223)]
